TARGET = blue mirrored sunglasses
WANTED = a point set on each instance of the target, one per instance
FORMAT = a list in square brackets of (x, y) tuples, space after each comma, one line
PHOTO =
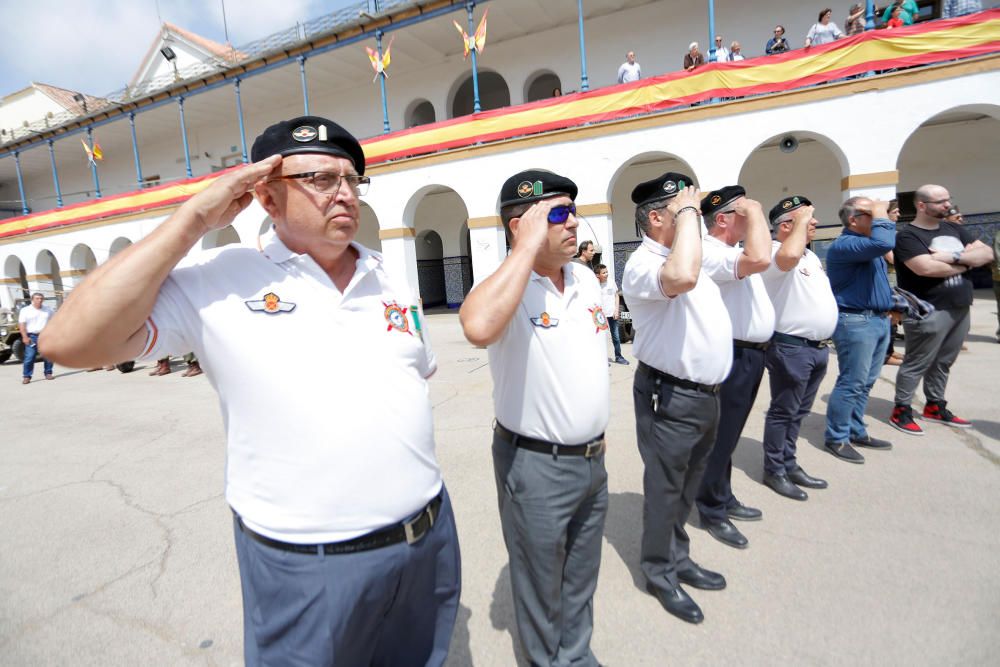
[(560, 214)]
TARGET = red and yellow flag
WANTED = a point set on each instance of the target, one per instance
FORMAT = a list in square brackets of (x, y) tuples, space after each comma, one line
[(380, 65), (478, 41)]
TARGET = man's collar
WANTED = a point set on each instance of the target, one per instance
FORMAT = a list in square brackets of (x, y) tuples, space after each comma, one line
[(275, 250), (655, 246)]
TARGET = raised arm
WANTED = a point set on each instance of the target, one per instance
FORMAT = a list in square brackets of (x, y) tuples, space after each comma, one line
[(756, 255), (679, 272), (488, 309), (794, 245), (103, 319)]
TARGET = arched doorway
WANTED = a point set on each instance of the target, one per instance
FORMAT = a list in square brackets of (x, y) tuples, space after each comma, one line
[(812, 166), (15, 282), (639, 168), (48, 279), (430, 268), (118, 245), (368, 229), (444, 262), (220, 237), (81, 262), (542, 86), (493, 94), (421, 112)]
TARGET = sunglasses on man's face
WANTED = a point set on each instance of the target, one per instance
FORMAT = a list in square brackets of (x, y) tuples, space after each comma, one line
[(560, 214)]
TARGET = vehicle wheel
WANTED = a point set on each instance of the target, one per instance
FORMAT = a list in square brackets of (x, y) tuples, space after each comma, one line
[(126, 366), (5, 355), (626, 333), (18, 349)]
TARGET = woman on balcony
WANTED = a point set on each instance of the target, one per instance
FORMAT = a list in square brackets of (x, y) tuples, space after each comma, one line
[(825, 31)]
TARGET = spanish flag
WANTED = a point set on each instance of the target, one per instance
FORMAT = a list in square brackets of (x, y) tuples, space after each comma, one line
[(94, 153)]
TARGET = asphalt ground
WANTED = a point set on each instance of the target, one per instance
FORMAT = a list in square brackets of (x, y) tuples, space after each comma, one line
[(117, 543)]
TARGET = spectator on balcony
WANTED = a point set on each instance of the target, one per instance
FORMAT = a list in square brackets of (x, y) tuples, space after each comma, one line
[(735, 52), (895, 21), (778, 43), (721, 52), (630, 70), (909, 12), (825, 31), (952, 8), (557, 92), (855, 23), (693, 57)]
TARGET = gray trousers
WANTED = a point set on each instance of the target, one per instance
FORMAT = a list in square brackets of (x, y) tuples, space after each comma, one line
[(932, 345), (390, 606), (552, 513), (674, 442)]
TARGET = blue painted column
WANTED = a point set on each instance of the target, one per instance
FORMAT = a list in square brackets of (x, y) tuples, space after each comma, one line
[(381, 83), (584, 81), (711, 31), (135, 149), (305, 88), (93, 164), (869, 15), (20, 183), (239, 115), (55, 174), (184, 139), (470, 7)]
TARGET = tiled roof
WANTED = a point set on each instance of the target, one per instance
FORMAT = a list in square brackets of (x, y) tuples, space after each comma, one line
[(64, 98)]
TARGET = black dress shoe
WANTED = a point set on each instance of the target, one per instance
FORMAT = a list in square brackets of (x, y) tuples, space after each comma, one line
[(741, 512), (698, 577), (801, 478), (844, 451), (728, 534), (871, 443), (677, 602), (783, 486)]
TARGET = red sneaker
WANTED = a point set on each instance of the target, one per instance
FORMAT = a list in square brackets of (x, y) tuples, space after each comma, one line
[(902, 420), (937, 412)]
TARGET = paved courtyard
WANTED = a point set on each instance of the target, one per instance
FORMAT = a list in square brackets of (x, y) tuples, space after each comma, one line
[(117, 543)]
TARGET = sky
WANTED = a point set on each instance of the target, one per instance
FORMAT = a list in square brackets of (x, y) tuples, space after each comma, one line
[(94, 46)]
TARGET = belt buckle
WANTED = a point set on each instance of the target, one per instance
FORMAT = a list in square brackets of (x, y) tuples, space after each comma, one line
[(824, 343), (594, 449), (409, 527)]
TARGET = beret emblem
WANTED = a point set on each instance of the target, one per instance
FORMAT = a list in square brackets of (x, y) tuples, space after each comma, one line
[(304, 133), (524, 189)]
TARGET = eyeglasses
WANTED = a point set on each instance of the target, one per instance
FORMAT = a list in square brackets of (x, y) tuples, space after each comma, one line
[(560, 214), (937, 201), (325, 182)]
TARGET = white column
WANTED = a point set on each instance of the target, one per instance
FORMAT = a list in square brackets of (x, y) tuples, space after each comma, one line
[(400, 254), (487, 244)]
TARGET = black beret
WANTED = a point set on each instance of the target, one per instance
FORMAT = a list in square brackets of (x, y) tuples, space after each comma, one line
[(534, 185), (308, 134), (663, 187), (718, 200), (787, 205)]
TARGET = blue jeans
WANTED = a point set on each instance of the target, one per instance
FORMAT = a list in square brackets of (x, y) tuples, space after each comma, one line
[(861, 340), (616, 337), (30, 352)]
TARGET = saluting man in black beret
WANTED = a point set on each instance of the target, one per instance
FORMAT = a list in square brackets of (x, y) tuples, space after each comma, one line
[(540, 316), (684, 345), (344, 532), (732, 218)]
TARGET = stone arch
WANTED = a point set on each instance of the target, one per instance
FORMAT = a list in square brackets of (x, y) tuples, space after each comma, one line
[(220, 237), (635, 170), (445, 275), (814, 169), (47, 278), (494, 93), (15, 280), (419, 112), (118, 245), (955, 148), (82, 258), (368, 228), (540, 85)]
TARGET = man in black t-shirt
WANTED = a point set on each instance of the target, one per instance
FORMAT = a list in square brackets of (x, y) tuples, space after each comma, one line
[(932, 257)]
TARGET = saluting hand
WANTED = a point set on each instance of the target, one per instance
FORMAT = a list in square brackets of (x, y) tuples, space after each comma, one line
[(803, 215), (880, 208), (689, 196), (744, 206), (533, 227), (217, 205)]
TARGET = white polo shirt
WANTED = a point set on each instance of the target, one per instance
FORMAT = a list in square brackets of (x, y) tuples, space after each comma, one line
[(804, 304), (750, 309), (550, 367), (34, 319), (323, 394), (688, 336), (609, 297)]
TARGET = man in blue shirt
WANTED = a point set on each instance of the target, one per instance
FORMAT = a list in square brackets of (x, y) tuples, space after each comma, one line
[(856, 267)]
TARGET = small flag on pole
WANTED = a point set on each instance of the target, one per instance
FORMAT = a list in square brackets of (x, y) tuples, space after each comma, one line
[(380, 65), (478, 41), (92, 154)]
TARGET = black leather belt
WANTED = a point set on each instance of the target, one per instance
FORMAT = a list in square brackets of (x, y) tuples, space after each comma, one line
[(411, 531), (587, 450), (676, 381), (864, 311), (800, 341), (752, 346)]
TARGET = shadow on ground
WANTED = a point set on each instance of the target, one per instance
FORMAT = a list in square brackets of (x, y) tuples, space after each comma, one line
[(502, 613)]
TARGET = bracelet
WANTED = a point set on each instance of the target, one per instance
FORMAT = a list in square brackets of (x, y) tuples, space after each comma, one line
[(688, 208)]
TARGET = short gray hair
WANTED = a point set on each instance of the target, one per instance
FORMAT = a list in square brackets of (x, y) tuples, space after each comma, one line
[(780, 220), (849, 209), (642, 212)]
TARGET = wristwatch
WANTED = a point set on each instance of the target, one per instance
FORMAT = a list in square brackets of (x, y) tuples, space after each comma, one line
[(956, 257)]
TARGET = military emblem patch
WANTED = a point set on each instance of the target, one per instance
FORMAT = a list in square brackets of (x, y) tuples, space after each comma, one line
[(304, 133), (270, 304), (524, 189), (395, 316), (716, 200), (786, 205), (600, 319), (545, 321), (670, 187)]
